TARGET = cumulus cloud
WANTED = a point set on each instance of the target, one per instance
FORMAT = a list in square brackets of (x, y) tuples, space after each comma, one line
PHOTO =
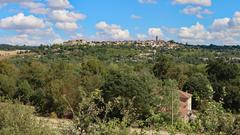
[(155, 32), (195, 32), (112, 31), (32, 30), (58, 41), (219, 24), (197, 11), (227, 23), (20, 21), (35, 7), (147, 1), (222, 31), (20, 40), (194, 2), (68, 26), (235, 21), (66, 20), (66, 16), (59, 4), (136, 17), (14, 1), (46, 32), (31, 37)]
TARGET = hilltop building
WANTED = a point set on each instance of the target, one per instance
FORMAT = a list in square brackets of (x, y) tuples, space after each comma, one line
[(151, 43), (75, 42)]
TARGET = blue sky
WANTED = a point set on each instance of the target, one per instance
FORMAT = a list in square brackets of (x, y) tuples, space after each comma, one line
[(35, 22)]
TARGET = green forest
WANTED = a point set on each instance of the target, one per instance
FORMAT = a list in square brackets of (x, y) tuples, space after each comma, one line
[(109, 89)]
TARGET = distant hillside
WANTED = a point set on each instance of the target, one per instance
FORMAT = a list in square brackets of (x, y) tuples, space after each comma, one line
[(6, 47)]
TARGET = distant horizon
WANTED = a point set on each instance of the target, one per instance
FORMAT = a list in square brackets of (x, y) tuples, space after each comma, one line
[(120, 41), (35, 22)]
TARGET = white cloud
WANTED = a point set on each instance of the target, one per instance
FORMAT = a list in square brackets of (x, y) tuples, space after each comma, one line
[(195, 32), (147, 1), (194, 2), (197, 11), (219, 24), (31, 37), (59, 4), (57, 41), (112, 31), (47, 32), (20, 40), (135, 17), (35, 7), (235, 21), (155, 32), (66, 16), (14, 1), (20, 21), (32, 4), (68, 26), (227, 23), (32, 30), (222, 31)]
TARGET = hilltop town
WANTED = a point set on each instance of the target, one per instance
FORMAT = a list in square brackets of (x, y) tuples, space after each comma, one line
[(152, 43)]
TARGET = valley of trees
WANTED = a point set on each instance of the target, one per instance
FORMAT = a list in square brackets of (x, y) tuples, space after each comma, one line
[(107, 89)]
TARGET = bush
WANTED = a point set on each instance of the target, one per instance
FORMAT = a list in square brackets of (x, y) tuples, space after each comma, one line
[(213, 119), (158, 120), (24, 91), (93, 119), (7, 86), (236, 126), (16, 119)]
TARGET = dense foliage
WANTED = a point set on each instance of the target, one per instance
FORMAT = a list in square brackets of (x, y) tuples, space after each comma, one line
[(128, 85)]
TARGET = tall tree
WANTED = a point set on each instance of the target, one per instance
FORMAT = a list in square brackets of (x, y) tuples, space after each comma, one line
[(162, 66), (128, 86), (200, 87), (220, 73)]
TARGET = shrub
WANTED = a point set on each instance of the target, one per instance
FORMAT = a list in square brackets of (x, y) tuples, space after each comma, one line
[(24, 91), (7, 86), (53, 115), (213, 119), (158, 120), (236, 126), (16, 119), (93, 119)]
